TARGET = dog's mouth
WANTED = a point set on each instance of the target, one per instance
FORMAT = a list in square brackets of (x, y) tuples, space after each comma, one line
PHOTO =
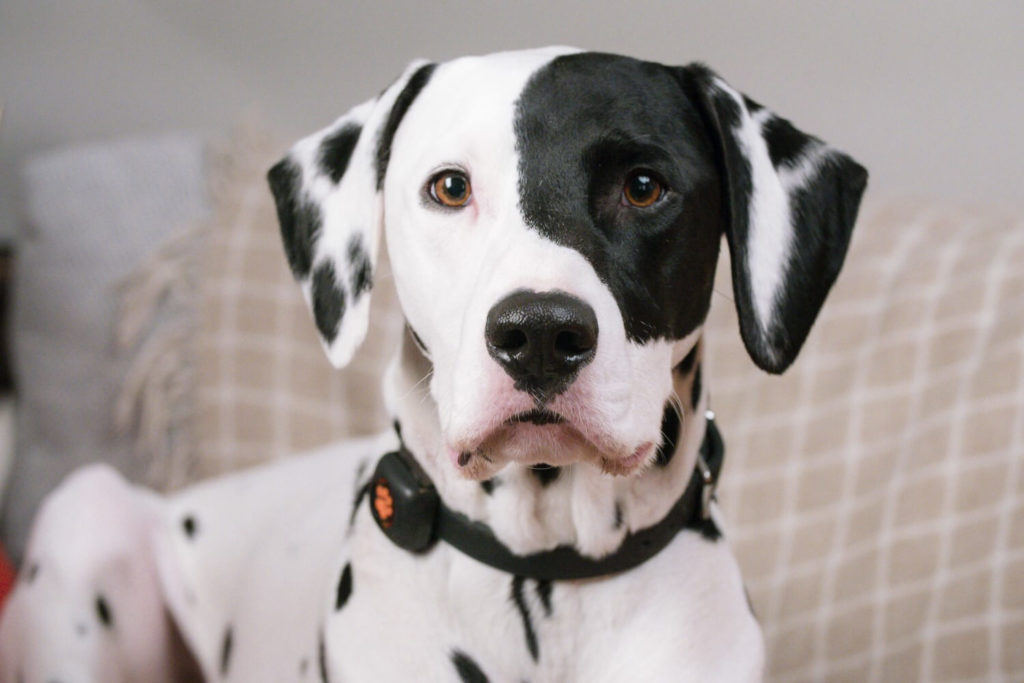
[(545, 437), (538, 417)]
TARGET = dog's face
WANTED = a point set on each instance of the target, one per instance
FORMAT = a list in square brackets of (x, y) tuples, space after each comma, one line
[(553, 221)]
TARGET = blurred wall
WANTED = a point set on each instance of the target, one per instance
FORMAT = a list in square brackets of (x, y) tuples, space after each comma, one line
[(929, 95)]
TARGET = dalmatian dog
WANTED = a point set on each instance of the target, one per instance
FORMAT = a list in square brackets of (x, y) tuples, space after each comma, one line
[(543, 508)]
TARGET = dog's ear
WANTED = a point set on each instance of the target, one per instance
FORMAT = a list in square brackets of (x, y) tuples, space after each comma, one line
[(329, 196), (792, 201)]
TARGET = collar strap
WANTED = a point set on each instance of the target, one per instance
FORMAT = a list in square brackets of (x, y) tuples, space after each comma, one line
[(407, 508)]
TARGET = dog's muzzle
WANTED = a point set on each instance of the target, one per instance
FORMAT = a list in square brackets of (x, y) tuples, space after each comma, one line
[(542, 340)]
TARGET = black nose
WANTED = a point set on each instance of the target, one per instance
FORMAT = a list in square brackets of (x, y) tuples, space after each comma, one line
[(542, 340)]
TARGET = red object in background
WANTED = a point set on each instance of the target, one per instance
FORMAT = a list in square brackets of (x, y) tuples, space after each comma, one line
[(7, 575)]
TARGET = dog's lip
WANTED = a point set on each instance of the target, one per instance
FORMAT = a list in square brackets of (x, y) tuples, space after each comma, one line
[(539, 416), (630, 463)]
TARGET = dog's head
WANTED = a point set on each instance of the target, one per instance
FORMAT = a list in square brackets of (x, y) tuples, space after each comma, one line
[(553, 221)]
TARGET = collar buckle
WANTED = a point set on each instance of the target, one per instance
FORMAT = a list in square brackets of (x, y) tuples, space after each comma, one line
[(707, 490)]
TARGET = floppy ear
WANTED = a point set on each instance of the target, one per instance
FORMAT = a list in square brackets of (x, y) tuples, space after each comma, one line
[(792, 201), (328, 191)]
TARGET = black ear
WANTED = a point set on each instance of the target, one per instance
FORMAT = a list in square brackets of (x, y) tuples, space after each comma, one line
[(329, 196), (792, 202)]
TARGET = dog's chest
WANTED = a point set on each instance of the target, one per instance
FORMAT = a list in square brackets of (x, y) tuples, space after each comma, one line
[(309, 592)]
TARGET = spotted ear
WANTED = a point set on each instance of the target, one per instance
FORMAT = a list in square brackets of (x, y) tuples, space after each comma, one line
[(329, 196), (792, 201)]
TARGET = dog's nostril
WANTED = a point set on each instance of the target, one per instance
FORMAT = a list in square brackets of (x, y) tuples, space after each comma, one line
[(571, 343), (510, 340)]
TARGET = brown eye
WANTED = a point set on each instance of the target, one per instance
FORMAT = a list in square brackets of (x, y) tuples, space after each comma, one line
[(642, 189), (451, 188)]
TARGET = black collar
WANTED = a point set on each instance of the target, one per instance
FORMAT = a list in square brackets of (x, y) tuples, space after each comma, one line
[(407, 508)]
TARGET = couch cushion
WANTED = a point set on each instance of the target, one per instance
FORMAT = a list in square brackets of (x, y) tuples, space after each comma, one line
[(876, 490)]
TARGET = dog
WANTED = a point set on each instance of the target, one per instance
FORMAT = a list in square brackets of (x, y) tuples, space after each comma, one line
[(543, 509)]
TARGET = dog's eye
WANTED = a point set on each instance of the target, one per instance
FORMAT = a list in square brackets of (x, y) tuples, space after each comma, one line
[(451, 188), (642, 189)]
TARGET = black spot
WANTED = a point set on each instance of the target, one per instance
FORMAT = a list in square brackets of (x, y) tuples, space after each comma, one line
[(618, 511), (225, 650), (336, 150), (188, 524), (359, 262), (707, 529), (397, 426), (545, 474), (103, 612), (544, 588), (468, 670), (583, 123), (488, 486), (299, 218), (670, 424), (752, 106), (402, 103), (328, 301), (696, 388), (686, 364), (344, 589), (321, 650), (786, 145), (519, 600)]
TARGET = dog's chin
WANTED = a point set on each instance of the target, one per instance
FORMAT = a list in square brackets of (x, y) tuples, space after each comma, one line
[(555, 444)]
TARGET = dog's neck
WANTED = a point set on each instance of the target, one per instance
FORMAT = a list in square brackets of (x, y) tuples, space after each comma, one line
[(532, 509)]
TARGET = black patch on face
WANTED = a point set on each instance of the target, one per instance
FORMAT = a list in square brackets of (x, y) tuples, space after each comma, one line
[(225, 650), (583, 123), (328, 301), (344, 589), (544, 588), (299, 218), (520, 602), (468, 670), (696, 388), (103, 612), (617, 523), (359, 262), (686, 364), (321, 655), (189, 526), (670, 425), (545, 474), (488, 486), (402, 103), (336, 150)]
